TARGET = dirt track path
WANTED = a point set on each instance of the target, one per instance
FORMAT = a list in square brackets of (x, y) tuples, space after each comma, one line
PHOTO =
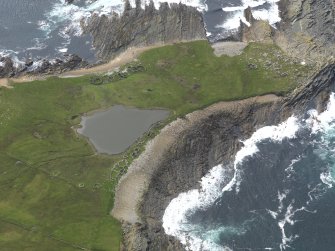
[(126, 57)]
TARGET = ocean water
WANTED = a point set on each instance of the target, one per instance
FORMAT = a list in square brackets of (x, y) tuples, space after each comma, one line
[(222, 17), (32, 30), (51, 28), (280, 197)]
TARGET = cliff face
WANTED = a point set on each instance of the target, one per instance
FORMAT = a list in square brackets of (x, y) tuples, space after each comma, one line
[(307, 30), (138, 27), (114, 34), (211, 140)]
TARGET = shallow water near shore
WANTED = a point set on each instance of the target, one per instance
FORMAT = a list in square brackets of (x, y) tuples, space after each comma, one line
[(114, 130)]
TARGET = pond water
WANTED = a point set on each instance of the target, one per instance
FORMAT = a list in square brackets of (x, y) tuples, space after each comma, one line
[(114, 130)]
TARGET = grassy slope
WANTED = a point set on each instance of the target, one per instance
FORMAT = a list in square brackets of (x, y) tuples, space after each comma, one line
[(55, 192)]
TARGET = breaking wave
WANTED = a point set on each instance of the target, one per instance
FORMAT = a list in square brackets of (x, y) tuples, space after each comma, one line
[(55, 26), (293, 162), (73, 14), (261, 10)]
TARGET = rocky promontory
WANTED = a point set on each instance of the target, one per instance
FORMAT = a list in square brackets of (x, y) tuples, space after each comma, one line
[(114, 34), (185, 150), (306, 31), (138, 27)]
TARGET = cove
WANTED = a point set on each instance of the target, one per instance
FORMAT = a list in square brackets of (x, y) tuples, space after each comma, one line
[(112, 131)]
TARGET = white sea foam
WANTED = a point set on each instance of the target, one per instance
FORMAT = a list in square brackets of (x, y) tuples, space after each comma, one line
[(327, 179), (17, 62), (325, 120), (287, 219), (13, 55), (324, 124), (212, 186), (43, 25), (39, 45), (73, 14), (290, 169), (175, 220), (36, 64), (63, 50), (270, 14)]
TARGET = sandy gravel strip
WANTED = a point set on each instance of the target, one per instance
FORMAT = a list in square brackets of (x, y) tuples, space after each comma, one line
[(228, 48), (5, 83), (131, 54), (126, 57), (132, 185)]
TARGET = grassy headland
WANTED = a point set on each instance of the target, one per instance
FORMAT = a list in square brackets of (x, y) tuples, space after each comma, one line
[(56, 192)]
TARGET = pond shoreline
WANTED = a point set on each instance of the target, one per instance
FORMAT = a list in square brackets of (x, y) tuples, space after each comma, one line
[(118, 123), (182, 153)]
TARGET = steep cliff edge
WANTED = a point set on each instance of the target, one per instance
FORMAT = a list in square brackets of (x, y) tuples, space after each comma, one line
[(174, 162), (114, 34), (186, 149), (307, 29), (138, 27), (306, 32)]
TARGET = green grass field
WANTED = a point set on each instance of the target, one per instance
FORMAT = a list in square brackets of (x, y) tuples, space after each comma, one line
[(56, 193)]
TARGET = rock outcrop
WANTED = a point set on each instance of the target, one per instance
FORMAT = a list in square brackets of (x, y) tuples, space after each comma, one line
[(7, 68), (138, 27), (306, 32), (258, 31), (206, 142), (114, 34), (70, 62)]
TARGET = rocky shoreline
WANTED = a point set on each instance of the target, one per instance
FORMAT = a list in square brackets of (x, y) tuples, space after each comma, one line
[(176, 159), (175, 162), (8, 69), (115, 34), (185, 150), (306, 33), (138, 27)]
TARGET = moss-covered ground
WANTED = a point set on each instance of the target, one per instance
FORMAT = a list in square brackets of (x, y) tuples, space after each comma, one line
[(56, 193)]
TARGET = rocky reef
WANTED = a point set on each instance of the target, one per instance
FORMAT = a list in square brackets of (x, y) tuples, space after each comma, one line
[(138, 27)]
